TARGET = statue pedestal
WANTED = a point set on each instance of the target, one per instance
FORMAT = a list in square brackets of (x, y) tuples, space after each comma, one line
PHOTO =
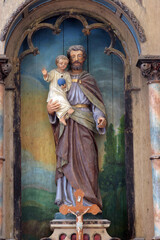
[(92, 229)]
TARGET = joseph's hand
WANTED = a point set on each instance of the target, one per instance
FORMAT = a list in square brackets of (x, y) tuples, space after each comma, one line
[(53, 107), (101, 122)]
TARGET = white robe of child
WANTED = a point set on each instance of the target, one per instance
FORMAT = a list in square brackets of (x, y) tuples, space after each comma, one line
[(56, 93)]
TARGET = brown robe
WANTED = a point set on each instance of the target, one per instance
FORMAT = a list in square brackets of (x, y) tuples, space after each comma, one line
[(76, 149)]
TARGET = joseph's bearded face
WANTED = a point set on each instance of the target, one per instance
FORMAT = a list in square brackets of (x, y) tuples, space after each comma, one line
[(76, 60)]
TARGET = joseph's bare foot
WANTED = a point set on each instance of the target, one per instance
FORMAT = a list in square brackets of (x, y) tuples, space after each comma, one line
[(70, 111), (62, 120)]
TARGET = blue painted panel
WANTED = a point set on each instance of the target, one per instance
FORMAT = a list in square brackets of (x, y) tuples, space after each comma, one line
[(23, 47), (108, 71), (100, 65), (73, 35), (50, 47)]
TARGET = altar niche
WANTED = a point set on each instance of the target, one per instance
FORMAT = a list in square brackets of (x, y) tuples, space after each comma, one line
[(38, 159)]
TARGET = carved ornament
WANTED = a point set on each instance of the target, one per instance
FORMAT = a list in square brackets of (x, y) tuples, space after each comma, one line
[(133, 19), (150, 68), (87, 28), (120, 4), (5, 68)]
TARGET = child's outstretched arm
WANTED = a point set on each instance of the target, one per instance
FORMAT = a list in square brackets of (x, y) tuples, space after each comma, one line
[(45, 73)]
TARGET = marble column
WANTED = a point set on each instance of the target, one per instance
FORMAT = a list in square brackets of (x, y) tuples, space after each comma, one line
[(150, 69), (5, 69)]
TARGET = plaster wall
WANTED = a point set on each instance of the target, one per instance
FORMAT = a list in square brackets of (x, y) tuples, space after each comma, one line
[(147, 12)]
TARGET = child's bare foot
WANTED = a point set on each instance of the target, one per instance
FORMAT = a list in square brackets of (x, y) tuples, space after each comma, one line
[(62, 120), (70, 111)]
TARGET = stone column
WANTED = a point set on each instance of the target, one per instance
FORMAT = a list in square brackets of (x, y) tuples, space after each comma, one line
[(5, 69), (150, 69)]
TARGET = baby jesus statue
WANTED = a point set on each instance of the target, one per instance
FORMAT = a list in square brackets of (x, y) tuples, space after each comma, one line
[(60, 83)]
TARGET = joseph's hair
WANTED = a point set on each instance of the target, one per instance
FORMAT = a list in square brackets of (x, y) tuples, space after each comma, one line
[(76, 48), (61, 57)]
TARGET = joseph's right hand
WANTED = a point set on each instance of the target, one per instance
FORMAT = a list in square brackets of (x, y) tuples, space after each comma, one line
[(53, 107)]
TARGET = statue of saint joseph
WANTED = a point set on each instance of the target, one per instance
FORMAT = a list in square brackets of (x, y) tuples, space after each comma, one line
[(76, 149)]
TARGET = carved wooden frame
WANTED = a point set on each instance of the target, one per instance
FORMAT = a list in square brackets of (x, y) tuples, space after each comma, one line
[(56, 30)]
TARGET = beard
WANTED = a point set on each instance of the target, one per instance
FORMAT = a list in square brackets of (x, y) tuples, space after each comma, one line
[(76, 67)]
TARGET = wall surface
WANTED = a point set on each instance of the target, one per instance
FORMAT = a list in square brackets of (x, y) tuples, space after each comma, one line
[(147, 12)]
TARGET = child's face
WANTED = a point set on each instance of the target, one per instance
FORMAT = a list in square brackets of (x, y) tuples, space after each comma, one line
[(62, 64)]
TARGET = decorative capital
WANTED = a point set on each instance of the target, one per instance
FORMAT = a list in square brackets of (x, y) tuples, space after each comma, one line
[(150, 68), (5, 68)]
